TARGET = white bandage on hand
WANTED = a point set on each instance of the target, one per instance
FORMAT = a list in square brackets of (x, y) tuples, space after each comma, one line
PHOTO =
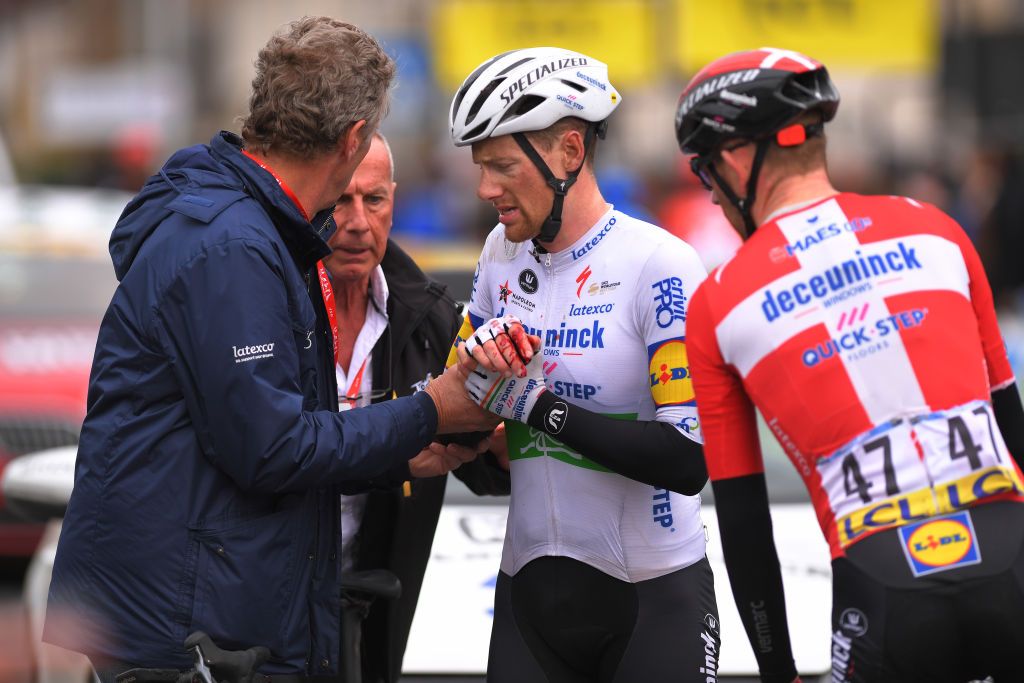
[(508, 397)]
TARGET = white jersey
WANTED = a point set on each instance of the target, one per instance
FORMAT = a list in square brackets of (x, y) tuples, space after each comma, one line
[(611, 311)]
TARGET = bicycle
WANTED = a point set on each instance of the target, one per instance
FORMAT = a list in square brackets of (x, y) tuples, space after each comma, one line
[(212, 665), (215, 665)]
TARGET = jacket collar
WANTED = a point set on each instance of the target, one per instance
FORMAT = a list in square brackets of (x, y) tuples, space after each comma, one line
[(411, 294), (306, 240)]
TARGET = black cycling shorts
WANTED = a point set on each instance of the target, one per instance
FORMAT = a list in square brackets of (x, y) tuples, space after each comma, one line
[(934, 603), (563, 621)]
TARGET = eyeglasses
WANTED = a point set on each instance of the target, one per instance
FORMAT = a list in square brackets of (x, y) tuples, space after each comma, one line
[(700, 167), (373, 395)]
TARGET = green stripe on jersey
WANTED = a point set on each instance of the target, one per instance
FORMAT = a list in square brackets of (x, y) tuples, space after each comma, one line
[(526, 442)]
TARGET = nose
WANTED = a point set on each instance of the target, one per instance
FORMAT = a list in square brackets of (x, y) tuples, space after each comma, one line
[(487, 189), (350, 215)]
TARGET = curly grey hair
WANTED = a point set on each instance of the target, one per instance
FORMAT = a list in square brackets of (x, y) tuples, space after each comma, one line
[(314, 80)]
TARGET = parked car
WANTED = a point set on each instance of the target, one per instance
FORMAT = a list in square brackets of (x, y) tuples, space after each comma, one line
[(55, 282)]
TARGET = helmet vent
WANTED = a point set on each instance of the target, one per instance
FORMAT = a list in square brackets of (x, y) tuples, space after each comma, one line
[(476, 131), (513, 65), (471, 79), (474, 109), (526, 104), (575, 86)]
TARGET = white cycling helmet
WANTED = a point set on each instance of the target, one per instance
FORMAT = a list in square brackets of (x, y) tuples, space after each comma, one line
[(527, 90)]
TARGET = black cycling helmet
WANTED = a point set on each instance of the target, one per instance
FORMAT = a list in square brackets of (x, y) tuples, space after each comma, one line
[(751, 96)]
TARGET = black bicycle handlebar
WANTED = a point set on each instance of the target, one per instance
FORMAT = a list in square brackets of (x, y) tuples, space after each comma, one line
[(212, 665), (226, 665)]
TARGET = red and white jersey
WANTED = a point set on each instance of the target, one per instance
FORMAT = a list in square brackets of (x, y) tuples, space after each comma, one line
[(864, 331)]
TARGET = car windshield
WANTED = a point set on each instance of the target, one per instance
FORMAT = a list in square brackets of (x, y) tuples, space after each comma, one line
[(54, 287), (53, 252)]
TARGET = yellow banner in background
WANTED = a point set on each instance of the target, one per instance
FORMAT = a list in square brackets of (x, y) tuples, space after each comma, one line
[(617, 32), (876, 34)]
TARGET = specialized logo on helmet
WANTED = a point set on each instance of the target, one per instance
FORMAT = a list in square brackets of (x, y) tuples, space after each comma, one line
[(713, 85), (535, 75)]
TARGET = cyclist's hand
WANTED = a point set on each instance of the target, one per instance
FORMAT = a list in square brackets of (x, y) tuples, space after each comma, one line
[(509, 397), (503, 345), (438, 459)]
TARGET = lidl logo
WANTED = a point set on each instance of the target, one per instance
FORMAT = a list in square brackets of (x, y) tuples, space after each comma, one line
[(925, 504), (671, 384), (940, 544)]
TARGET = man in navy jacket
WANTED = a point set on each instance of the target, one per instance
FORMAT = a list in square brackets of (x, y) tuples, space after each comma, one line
[(212, 456)]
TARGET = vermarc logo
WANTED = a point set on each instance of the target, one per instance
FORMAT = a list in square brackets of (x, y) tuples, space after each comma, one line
[(555, 418)]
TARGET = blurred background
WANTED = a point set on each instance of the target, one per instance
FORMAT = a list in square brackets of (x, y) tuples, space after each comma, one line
[(95, 94)]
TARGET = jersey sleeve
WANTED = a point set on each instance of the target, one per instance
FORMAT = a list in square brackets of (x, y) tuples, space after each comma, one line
[(727, 418), (668, 279), (1000, 373)]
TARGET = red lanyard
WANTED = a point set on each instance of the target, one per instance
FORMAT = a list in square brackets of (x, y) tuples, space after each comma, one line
[(325, 282), (352, 394)]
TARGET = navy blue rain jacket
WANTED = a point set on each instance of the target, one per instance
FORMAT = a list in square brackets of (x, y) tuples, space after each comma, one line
[(212, 454)]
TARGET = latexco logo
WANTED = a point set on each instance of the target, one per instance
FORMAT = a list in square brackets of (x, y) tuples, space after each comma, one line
[(248, 353), (594, 241)]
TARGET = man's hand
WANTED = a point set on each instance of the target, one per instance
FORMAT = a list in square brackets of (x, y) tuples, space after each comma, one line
[(499, 446), (438, 459), (456, 411), (509, 397), (502, 345)]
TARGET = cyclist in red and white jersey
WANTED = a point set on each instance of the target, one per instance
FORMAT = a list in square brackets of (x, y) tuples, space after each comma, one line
[(863, 330)]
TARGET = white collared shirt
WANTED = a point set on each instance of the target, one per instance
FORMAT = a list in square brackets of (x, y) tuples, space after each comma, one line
[(352, 507)]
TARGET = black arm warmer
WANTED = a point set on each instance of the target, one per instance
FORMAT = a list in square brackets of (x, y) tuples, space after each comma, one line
[(484, 476), (746, 528), (1010, 418), (652, 452)]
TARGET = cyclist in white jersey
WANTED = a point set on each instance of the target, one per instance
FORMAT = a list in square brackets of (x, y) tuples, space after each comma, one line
[(603, 574)]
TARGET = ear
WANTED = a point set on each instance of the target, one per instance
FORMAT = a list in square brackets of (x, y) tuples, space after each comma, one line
[(353, 138), (737, 163), (573, 153)]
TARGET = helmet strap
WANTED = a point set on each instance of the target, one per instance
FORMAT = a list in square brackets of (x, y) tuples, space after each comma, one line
[(745, 204), (553, 223)]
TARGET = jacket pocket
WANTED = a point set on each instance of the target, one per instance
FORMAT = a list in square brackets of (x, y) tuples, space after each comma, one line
[(248, 585)]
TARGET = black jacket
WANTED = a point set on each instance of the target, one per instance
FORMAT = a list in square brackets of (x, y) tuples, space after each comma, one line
[(397, 531)]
